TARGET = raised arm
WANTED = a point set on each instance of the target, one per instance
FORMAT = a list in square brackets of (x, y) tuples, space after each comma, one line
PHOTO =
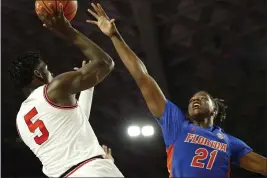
[(86, 97), (70, 83), (152, 93)]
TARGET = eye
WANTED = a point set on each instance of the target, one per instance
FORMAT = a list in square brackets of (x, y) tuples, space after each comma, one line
[(204, 98)]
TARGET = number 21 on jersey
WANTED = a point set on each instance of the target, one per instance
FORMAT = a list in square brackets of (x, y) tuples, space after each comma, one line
[(203, 154), (33, 126)]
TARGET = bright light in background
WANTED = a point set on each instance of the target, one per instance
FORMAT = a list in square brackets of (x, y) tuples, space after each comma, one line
[(134, 131), (147, 131)]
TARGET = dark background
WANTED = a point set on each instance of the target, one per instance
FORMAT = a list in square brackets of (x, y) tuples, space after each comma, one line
[(187, 45)]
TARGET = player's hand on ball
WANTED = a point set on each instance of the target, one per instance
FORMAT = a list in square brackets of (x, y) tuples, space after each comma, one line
[(108, 153), (57, 22), (103, 22)]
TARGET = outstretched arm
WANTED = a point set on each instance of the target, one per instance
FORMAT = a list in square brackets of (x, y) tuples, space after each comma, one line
[(243, 155), (152, 93), (169, 116), (254, 162)]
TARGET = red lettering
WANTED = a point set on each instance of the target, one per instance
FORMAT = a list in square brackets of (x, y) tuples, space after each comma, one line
[(223, 147), (194, 139), (217, 145), (207, 143), (201, 140), (38, 124), (189, 137)]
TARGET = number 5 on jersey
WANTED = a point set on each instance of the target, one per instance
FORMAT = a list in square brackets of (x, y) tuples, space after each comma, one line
[(37, 124), (202, 154)]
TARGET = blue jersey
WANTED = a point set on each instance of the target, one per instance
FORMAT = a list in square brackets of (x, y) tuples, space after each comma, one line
[(193, 151)]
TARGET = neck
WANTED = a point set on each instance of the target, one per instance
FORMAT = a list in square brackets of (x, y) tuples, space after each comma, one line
[(29, 89), (207, 122)]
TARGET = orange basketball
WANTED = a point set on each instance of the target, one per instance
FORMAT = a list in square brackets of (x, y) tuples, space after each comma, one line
[(69, 7)]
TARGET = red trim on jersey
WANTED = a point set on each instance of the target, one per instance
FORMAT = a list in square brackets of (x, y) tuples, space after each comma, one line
[(78, 167), (169, 159), (55, 104)]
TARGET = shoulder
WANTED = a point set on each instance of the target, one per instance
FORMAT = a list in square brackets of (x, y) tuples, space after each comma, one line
[(234, 141), (170, 106), (171, 110)]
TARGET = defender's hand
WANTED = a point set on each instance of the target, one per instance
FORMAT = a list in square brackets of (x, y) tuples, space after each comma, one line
[(108, 153), (57, 22), (103, 22)]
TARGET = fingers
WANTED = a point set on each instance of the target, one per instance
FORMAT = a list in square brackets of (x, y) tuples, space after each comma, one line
[(98, 11), (83, 63), (91, 22), (105, 148), (102, 11), (61, 12), (112, 20), (51, 7), (45, 17), (93, 14), (42, 14)]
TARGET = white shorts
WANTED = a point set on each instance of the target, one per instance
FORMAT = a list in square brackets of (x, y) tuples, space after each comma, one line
[(96, 168)]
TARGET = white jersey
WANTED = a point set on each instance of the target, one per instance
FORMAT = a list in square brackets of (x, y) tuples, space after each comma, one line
[(60, 136)]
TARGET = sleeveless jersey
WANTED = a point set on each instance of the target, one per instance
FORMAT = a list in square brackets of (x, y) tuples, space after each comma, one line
[(60, 136)]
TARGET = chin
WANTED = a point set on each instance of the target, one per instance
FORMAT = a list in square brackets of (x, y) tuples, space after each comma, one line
[(197, 115), (198, 118)]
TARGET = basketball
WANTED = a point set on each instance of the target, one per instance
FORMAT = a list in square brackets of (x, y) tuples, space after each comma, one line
[(69, 7)]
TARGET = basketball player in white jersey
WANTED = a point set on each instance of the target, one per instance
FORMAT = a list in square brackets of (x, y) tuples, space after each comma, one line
[(51, 122)]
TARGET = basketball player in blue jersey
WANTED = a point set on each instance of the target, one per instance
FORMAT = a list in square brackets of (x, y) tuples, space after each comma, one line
[(195, 146)]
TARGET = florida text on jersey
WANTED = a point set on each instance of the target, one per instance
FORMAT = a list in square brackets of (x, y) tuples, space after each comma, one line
[(198, 152)]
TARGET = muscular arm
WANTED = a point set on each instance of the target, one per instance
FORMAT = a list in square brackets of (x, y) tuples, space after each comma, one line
[(152, 93), (85, 100), (70, 83), (254, 162)]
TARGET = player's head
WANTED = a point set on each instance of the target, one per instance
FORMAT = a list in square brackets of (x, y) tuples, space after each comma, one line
[(203, 106), (29, 70)]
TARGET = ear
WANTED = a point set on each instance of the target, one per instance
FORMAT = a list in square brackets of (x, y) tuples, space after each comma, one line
[(38, 75), (214, 112)]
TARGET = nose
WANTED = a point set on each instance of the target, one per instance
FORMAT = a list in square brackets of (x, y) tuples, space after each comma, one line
[(195, 99)]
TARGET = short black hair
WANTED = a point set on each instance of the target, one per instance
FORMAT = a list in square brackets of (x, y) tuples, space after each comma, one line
[(22, 69), (221, 109)]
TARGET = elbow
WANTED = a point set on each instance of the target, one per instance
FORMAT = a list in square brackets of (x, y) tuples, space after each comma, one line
[(108, 64), (142, 77), (111, 65)]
